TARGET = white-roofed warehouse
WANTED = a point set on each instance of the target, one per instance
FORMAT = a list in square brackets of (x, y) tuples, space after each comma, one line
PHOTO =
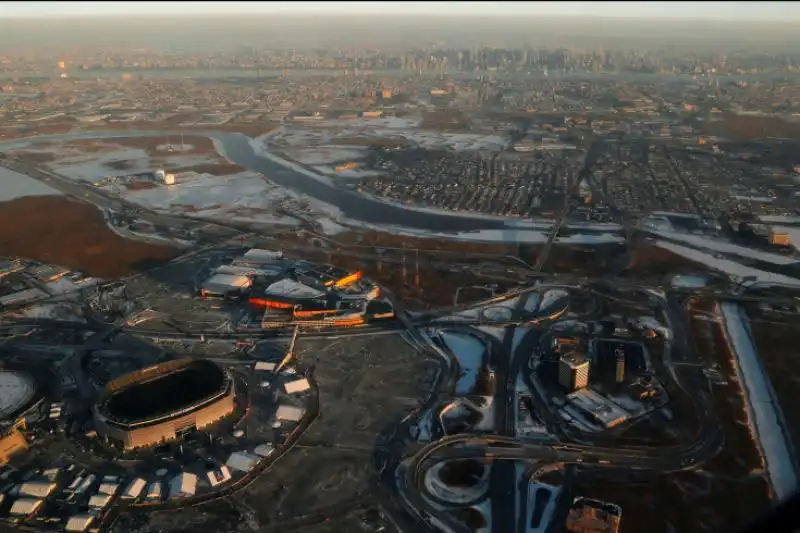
[(79, 522), (25, 506), (223, 284), (242, 461), (134, 489), (289, 413), (183, 485), (37, 489), (298, 385)]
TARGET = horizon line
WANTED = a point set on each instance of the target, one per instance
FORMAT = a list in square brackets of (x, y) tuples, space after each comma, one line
[(337, 13)]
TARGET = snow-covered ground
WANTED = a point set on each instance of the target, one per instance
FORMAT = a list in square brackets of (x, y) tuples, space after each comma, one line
[(448, 493), (470, 353), (53, 311), (726, 266), (506, 235), (532, 303), (326, 155), (689, 282), (326, 132), (552, 297), (550, 506), (245, 196), (14, 185), (717, 245), (92, 166), (764, 412)]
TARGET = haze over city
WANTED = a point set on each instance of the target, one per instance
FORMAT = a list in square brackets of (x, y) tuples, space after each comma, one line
[(403, 267)]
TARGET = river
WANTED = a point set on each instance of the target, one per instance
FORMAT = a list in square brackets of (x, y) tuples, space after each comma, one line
[(354, 206)]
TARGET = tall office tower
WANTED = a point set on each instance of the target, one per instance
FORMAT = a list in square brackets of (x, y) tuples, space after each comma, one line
[(619, 374)]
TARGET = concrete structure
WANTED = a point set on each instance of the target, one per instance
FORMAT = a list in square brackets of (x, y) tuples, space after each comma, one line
[(289, 413), (291, 289), (296, 386), (100, 501), (155, 491), (37, 489), (25, 506), (184, 485), (163, 425), (593, 516), (11, 443), (600, 409), (573, 371), (134, 489), (222, 285), (79, 522), (242, 461), (218, 477), (258, 256), (619, 371), (108, 488)]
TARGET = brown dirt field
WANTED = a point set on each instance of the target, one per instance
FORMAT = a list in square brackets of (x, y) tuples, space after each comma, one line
[(375, 238), (447, 121), (57, 230), (215, 169), (200, 145), (35, 157), (36, 129), (651, 262), (748, 128)]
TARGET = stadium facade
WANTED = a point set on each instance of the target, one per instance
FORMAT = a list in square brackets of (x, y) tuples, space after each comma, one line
[(142, 408)]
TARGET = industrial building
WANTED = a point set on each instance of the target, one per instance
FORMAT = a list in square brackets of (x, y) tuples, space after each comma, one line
[(573, 371), (597, 408), (296, 386), (25, 506), (133, 489), (79, 522), (593, 516), (224, 286), (289, 413), (218, 476), (184, 485), (143, 408), (242, 461)]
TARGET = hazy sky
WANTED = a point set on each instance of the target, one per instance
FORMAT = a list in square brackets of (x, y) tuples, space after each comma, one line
[(781, 11)]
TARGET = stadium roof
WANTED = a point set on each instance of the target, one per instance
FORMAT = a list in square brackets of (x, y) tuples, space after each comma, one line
[(226, 281), (288, 287)]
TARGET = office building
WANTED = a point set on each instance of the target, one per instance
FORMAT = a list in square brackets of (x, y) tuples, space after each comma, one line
[(573, 371)]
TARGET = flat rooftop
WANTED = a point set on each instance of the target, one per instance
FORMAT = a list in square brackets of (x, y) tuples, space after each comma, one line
[(16, 390), (288, 287), (606, 411), (574, 358)]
